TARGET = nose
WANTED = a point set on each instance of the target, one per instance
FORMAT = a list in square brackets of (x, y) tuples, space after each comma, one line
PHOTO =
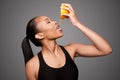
[(54, 22)]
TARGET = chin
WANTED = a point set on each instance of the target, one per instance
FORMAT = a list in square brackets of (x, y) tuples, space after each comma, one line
[(59, 36)]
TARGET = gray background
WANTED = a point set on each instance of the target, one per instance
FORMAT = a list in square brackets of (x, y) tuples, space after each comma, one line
[(102, 16)]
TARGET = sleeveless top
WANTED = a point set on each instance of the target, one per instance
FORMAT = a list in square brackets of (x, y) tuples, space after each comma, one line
[(67, 72)]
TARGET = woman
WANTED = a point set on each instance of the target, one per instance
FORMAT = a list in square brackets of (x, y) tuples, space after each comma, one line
[(55, 62)]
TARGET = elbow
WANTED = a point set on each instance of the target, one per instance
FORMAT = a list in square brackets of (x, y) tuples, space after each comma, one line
[(108, 51)]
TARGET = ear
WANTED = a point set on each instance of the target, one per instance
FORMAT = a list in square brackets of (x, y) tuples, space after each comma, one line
[(39, 36)]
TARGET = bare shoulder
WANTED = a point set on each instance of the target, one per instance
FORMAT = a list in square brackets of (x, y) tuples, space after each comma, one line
[(32, 66), (33, 61), (71, 49)]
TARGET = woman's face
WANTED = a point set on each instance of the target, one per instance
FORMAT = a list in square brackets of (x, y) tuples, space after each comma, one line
[(50, 29)]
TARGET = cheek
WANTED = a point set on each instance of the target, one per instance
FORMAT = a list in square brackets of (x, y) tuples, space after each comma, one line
[(50, 32), (47, 29), (43, 27), (53, 34)]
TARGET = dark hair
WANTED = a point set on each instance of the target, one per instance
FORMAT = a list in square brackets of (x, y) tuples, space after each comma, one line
[(27, 50), (31, 31), (30, 35)]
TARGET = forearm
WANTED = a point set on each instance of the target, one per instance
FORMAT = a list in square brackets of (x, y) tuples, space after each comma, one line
[(100, 45), (99, 42)]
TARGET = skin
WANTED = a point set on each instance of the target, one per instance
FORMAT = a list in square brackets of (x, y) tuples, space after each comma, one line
[(52, 53)]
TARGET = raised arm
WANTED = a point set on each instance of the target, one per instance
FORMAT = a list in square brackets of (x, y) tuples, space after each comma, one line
[(99, 47)]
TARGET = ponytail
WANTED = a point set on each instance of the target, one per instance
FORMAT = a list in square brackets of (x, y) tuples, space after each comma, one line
[(30, 33), (27, 50)]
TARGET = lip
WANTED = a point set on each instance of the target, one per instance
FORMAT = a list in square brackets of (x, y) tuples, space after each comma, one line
[(58, 28)]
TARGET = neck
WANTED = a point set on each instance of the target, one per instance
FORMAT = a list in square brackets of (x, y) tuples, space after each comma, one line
[(50, 47)]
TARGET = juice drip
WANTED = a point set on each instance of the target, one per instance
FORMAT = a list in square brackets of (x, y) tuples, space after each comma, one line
[(63, 11), (60, 22)]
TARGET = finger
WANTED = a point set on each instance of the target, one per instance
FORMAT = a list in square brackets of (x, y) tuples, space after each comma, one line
[(68, 6), (68, 9)]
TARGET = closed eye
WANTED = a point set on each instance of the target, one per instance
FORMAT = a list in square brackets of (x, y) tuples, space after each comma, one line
[(48, 22)]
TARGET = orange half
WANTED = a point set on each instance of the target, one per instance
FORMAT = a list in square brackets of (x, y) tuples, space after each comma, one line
[(63, 11)]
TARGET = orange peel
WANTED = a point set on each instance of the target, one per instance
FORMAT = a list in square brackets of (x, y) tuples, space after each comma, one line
[(63, 11)]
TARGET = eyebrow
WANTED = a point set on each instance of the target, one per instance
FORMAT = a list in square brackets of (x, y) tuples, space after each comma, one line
[(46, 19)]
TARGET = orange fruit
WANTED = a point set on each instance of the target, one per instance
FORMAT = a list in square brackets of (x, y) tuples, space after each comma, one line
[(63, 11)]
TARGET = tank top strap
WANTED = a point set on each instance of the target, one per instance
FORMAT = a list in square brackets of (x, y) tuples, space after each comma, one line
[(66, 53), (41, 60)]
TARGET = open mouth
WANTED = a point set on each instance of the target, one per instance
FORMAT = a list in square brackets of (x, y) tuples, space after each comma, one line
[(58, 28)]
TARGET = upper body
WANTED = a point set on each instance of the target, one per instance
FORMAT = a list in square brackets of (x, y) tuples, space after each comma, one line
[(48, 31)]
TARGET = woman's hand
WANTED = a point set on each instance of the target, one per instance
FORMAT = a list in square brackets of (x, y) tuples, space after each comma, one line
[(71, 16)]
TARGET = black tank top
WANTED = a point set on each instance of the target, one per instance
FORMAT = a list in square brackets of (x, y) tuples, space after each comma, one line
[(67, 72)]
